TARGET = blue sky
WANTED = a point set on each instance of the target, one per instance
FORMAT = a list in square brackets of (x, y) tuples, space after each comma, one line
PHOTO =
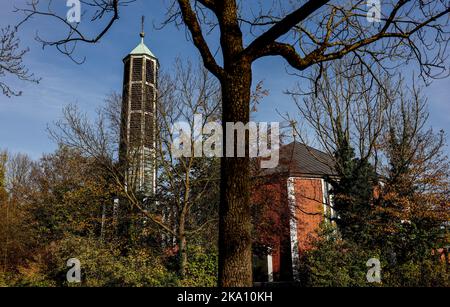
[(23, 120)]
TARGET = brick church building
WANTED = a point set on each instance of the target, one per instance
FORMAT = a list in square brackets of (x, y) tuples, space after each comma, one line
[(294, 199)]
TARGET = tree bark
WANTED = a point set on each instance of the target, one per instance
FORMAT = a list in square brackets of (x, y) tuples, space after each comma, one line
[(182, 251), (182, 243), (235, 244)]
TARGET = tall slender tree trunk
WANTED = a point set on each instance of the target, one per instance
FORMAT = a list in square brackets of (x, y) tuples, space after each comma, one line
[(102, 227), (5, 260), (182, 249), (235, 226)]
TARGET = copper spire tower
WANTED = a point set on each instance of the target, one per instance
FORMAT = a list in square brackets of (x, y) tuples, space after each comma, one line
[(137, 146)]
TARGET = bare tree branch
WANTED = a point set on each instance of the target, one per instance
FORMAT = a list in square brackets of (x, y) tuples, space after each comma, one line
[(11, 61)]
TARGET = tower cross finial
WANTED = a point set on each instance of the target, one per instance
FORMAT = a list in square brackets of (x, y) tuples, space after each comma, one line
[(142, 28)]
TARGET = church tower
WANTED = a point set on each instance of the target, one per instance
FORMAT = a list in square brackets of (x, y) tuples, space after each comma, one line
[(137, 146)]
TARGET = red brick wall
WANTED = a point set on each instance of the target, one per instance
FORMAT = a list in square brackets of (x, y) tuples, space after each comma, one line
[(309, 209), (272, 226)]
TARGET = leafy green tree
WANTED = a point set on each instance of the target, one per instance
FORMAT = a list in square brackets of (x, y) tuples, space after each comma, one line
[(70, 193)]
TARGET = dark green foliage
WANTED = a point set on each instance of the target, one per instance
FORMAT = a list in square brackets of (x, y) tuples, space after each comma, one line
[(334, 262), (353, 194), (427, 272)]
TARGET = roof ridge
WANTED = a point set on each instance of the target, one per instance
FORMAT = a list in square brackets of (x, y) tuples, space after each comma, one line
[(310, 147)]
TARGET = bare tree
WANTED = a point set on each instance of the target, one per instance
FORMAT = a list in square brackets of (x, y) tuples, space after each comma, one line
[(188, 185), (18, 177), (184, 205), (11, 61), (344, 102), (413, 152), (304, 34), (406, 136)]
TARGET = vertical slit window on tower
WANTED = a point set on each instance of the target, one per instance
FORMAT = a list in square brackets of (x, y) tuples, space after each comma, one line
[(135, 129), (137, 69), (136, 97), (150, 76)]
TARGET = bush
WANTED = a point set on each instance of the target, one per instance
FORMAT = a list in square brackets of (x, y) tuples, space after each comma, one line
[(421, 273), (30, 275), (3, 282), (104, 265), (202, 268), (337, 263)]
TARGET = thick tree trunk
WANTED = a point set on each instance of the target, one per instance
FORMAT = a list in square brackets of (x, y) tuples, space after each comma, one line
[(235, 226)]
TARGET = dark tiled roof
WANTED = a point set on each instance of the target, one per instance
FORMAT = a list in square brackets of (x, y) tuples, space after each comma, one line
[(298, 159)]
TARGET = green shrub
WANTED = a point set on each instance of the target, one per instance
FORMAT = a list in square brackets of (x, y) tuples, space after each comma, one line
[(202, 268), (334, 263), (30, 275), (104, 265), (338, 263), (420, 273), (3, 281)]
